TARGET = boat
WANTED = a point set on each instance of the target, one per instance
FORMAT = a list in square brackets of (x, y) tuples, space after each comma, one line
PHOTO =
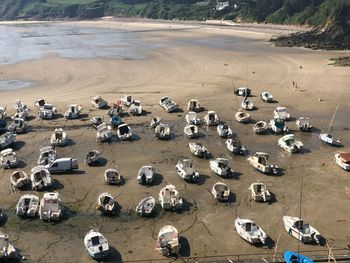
[(281, 112), (27, 205), (7, 250), (250, 231), (242, 117), (96, 245), (73, 111), (294, 257), (242, 91), (115, 121), (124, 132), (167, 104), (220, 191), (330, 140), (51, 207), (191, 131), (304, 124), (3, 125), (136, 108), (96, 121), (224, 131), (170, 198), (92, 157), (47, 155), (300, 230), (112, 176), (19, 179), (40, 177), (3, 113), (98, 102), (278, 125), (162, 131), (47, 112), (155, 121), (8, 158), (127, 100), (21, 110), (211, 119), (146, 206), (247, 105), (168, 241), (234, 145), (266, 96), (259, 191), (260, 161), (18, 125), (106, 204), (186, 169), (18, 104), (343, 160), (194, 105), (290, 144), (146, 174), (260, 127), (116, 110), (191, 118), (7, 139), (220, 167), (104, 133), (199, 150), (59, 137)]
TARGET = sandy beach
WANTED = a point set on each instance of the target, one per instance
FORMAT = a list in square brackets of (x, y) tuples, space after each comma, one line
[(70, 62)]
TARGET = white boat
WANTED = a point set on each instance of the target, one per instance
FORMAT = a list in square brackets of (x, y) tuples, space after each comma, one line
[(96, 245), (106, 204), (18, 125), (330, 140), (19, 179), (242, 91), (8, 158), (73, 111), (191, 131), (162, 131), (266, 96), (18, 104), (116, 110), (247, 105), (300, 230), (186, 169), (343, 160), (259, 191), (47, 112), (211, 119), (220, 191), (304, 124), (7, 139), (27, 206), (104, 133), (7, 250), (96, 121), (47, 155), (3, 113), (40, 177), (112, 176), (92, 157), (127, 100), (124, 132), (51, 207), (167, 104), (242, 117), (278, 125), (168, 241), (235, 146), (193, 105), (199, 150), (250, 231), (260, 161), (191, 118), (170, 198), (146, 174), (98, 102), (290, 144), (58, 138), (220, 167), (146, 206), (155, 121), (136, 108), (281, 112), (260, 127), (224, 131), (22, 113)]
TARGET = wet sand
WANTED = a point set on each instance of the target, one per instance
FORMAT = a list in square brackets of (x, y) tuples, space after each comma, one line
[(184, 62)]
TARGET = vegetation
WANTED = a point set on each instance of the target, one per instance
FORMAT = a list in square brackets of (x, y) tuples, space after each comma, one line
[(341, 61)]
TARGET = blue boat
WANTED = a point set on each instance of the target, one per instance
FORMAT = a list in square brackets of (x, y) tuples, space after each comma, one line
[(116, 121), (294, 257)]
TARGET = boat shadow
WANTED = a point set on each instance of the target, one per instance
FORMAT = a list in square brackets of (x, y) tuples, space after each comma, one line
[(17, 145), (157, 179), (186, 206), (234, 175), (185, 250), (273, 199), (113, 256), (99, 163), (202, 179), (21, 164), (56, 185)]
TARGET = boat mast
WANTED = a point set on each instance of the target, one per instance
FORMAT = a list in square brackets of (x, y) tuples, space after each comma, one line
[(330, 125), (233, 86)]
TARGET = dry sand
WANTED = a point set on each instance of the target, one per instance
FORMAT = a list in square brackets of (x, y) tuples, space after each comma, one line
[(189, 64)]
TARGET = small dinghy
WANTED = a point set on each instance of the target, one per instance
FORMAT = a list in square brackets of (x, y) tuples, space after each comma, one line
[(155, 121), (235, 146), (22, 110), (146, 206), (96, 245), (162, 131), (186, 169), (281, 112), (47, 155), (266, 96), (116, 110), (7, 139), (98, 102), (167, 104), (59, 137), (124, 132), (112, 176), (127, 100), (168, 241), (288, 143), (247, 105), (170, 198), (136, 108), (73, 111), (343, 160), (259, 192), (301, 231), (242, 91), (115, 121), (330, 140), (41, 178), (220, 167), (220, 191), (304, 124), (96, 121), (27, 206), (145, 176), (191, 118), (191, 131), (250, 231), (51, 207), (19, 179), (260, 161), (199, 150), (104, 133), (106, 204), (47, 112), (260, 127), (294, 257), (7, 250), (92, 157), (8, 158), (18, 125), (242, 117), (224, 131), (211, 119), (193, 105), (278, 125)]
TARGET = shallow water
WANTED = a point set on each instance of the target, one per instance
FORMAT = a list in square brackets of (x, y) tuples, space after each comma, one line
[(14, 84)]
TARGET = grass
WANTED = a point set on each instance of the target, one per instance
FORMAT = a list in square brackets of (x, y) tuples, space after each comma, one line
[(341, 61)]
